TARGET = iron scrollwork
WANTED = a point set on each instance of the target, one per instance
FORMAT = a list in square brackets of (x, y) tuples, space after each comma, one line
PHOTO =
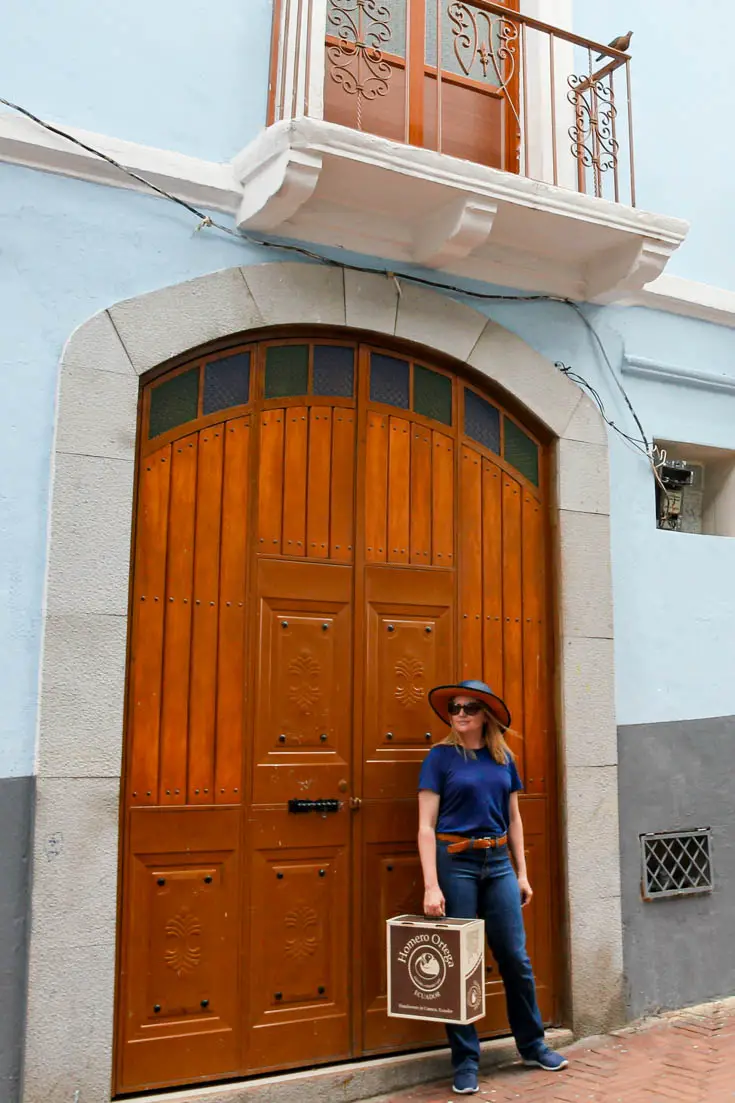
[(490, 39), (594, 144), (356, 61)]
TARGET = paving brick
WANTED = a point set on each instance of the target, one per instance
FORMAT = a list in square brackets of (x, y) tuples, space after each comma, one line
[(682, 1057)]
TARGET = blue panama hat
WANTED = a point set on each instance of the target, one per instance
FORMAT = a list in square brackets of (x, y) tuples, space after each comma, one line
[(440, 696)]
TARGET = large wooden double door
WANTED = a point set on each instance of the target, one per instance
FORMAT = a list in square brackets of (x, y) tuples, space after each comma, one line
[(324, 530)]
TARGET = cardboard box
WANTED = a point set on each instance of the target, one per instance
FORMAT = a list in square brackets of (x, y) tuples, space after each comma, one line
[(436, 969)]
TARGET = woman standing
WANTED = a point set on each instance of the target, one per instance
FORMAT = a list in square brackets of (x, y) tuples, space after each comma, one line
[(468, 821)]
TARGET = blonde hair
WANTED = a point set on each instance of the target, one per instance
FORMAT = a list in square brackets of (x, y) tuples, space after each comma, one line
[(493, 734)]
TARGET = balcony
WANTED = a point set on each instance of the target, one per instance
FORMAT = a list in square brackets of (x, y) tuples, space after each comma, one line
[(463, 135)]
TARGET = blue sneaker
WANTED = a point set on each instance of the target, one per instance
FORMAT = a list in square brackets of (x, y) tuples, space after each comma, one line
[(545, 1058), (465, 1082)]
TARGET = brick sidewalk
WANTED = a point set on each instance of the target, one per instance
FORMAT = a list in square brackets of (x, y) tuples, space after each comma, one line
[(685, 1056)]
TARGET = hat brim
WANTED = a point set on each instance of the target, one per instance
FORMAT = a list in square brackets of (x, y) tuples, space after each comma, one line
[(440, 696)]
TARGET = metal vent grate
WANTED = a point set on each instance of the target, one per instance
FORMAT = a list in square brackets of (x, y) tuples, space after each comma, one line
[(676, 863)]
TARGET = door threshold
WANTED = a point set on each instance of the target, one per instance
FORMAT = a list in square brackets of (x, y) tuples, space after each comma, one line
[(348, 1082)]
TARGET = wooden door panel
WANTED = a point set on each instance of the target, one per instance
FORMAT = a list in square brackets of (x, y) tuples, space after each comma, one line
[(513, 612), (231, 658), (409, 648), (470, 563), (300, 863), (535, 651), (492, 576), (303, 697), (298, 952), (537, 915), (148, 616), (252, 948), (204, 628), (393, 886), (306, 483), (179, 978)]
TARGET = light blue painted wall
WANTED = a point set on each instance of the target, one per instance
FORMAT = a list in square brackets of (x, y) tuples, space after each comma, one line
[(674, 604), (68, 250), (182, 75), (682, 96), (71, 248), (178, 74)]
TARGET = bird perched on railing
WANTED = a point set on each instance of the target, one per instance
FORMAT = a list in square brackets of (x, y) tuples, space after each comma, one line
[(621, 43)]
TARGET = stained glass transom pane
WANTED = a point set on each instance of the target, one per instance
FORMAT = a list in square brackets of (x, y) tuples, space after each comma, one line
[(334, 371), (286, 371), (227, 383), (173, 402), (432, 394), (389, 380), (521, 452), (481, 421)]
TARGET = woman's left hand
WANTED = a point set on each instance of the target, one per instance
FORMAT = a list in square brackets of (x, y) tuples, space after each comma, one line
[(526, 891)]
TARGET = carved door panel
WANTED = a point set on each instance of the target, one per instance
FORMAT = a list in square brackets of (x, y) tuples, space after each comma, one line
[(179, 975), (301, 736), (306, 569), (299, 878), (409, 647)]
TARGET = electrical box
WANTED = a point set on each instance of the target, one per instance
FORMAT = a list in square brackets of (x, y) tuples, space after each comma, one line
[(680, 496)]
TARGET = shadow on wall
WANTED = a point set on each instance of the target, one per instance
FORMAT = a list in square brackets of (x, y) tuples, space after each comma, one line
[(16, 808), (672, 777)]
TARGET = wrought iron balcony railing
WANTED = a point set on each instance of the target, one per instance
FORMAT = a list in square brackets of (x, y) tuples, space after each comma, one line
[(475, 79)]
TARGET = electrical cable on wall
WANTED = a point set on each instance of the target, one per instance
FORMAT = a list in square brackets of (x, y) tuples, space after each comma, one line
[(647, 448)]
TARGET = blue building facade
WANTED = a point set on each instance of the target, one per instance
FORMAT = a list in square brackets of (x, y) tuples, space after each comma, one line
[(104, 280)]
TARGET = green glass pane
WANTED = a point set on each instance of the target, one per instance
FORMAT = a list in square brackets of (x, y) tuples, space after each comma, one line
[(173, 402), (432, 394), (521, 452), (286, 371)]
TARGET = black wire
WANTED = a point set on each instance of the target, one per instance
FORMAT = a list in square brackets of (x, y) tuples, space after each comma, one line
[(575, 377), (206, 220), (116, 164), (580, 313)]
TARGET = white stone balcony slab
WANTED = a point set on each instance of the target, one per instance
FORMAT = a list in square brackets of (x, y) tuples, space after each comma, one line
[(506, 155), (321, 182)]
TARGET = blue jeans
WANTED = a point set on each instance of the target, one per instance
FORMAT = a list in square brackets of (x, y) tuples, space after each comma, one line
[(482, 884)]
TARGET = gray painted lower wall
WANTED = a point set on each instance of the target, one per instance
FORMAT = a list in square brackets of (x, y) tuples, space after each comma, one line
[(16, 808), (673, 776)]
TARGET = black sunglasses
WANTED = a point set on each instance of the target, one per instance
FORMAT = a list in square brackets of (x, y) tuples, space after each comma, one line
[(470, 709)]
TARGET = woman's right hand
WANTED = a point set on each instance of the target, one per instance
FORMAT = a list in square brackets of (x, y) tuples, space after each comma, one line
[(434, 901)]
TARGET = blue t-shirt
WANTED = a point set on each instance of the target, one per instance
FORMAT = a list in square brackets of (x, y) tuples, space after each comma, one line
[(474, 792)]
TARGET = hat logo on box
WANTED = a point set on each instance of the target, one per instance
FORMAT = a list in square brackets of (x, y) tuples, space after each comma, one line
[(474, 996), (426, 968)]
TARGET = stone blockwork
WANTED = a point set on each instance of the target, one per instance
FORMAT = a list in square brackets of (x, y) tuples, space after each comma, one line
[(16, 807), (80, 735), (678, 776)]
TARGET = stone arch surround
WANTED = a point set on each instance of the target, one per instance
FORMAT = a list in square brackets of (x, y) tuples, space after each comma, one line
[(72, 965)]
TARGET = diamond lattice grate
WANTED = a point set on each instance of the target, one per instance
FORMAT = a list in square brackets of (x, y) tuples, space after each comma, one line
[(678, 863)]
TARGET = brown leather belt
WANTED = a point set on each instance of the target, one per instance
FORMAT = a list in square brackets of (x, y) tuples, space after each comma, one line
[(459, 843)]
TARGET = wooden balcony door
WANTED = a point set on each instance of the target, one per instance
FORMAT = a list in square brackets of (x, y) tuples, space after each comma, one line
[(432, 73), (324, 530)]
